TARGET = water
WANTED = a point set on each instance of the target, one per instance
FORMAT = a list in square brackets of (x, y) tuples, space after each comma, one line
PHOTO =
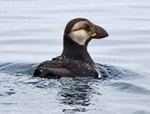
[(31, 32)]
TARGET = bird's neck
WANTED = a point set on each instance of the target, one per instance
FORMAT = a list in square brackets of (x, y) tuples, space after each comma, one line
[(78, 52)]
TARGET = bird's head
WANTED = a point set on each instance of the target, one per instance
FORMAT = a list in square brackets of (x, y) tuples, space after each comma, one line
[(81, 31)]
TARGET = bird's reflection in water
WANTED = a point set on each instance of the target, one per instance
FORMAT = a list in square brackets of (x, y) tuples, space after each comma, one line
[(77, 93)]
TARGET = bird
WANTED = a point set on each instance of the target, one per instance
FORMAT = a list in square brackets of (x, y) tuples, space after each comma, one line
[(74, 61)]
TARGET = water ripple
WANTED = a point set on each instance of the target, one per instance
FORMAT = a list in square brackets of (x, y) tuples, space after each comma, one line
[(130, 88)]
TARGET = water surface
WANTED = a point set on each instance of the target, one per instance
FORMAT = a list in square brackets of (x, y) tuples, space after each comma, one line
[(31, 32)]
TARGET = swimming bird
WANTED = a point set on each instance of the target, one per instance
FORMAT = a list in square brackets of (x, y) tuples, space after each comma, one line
[(75, 60)]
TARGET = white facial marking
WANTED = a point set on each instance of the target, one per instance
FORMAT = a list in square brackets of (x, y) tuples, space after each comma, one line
[(79, 36), (79, 25)]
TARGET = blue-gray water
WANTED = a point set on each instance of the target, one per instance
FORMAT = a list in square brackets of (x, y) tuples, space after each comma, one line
[(31, 31)]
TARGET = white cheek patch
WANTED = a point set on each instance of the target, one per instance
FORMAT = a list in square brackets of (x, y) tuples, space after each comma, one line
[(80, 36)]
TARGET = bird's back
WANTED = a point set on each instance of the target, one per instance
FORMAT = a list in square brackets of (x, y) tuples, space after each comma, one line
[(65, 67)]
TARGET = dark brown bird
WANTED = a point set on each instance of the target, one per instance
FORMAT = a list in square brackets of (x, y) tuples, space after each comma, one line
[(75, 60)]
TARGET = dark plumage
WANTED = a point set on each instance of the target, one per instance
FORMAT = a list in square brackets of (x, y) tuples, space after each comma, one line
[(74, 60)]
